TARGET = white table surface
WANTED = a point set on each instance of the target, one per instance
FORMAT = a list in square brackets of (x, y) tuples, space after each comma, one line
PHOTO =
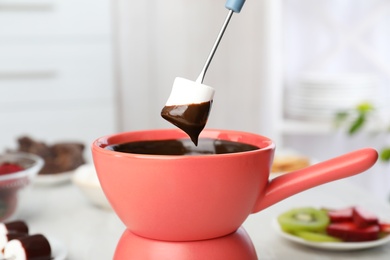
[(88, 232)]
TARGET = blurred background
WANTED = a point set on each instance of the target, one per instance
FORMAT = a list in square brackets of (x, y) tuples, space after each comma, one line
[(77, 70)]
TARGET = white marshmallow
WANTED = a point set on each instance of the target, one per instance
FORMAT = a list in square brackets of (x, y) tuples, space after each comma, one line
[(14, 250), (3, 241), (186, 92), (3, 229)]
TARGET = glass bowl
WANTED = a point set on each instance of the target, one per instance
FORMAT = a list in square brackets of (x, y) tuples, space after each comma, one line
[(11, 184)]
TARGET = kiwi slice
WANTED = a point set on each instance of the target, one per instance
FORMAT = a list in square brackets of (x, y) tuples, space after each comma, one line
[(304, 219), (316, 237)]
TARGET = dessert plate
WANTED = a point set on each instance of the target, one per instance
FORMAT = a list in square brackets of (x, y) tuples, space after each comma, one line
[(53, 179), (291, 160), (59, 250), (333, 246)]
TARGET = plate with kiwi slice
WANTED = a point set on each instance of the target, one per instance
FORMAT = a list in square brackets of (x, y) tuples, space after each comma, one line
[(316, 228)]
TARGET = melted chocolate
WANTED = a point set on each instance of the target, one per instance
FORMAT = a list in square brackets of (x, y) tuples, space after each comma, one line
[(190, 118), (182, 147)]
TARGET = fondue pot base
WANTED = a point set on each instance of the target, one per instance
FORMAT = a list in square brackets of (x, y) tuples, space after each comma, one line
[(237, 245)]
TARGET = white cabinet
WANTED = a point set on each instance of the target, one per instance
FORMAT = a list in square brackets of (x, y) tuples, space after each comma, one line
[(54, 18), (56, 71)]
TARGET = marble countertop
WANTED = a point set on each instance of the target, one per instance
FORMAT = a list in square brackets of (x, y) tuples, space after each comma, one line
[(88, 232)]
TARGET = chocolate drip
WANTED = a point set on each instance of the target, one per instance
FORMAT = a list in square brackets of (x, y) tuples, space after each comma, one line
[(191, 118)]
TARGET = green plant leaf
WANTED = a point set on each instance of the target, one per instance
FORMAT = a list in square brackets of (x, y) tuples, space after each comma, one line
[(385, 154), (365, 107), (357, 124), (363, 111)]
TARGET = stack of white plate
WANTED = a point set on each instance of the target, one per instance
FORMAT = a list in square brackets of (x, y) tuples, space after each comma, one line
[(321, 96)]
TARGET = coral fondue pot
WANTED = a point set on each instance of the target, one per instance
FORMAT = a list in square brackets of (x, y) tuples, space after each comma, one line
[(191, 204)]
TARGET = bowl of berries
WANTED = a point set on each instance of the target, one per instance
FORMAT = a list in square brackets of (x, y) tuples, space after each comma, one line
[(17, 171)]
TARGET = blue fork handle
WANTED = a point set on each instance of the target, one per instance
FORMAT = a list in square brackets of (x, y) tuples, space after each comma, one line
[(234, 5)]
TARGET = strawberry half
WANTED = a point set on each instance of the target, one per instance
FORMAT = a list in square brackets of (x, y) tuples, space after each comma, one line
[(363, 218), (350, 232), (340, 215), (7, 167)]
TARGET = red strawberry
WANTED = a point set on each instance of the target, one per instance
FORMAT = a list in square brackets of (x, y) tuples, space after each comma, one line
[(348, 231), (7, 167), (340, 215), (364, 218)]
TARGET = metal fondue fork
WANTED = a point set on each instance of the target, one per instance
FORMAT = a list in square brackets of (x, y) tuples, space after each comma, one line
[(233, 6)]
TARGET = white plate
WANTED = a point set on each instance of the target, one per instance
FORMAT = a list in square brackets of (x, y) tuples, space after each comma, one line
[(286, 152), (334, 246), (85, 178), (59, 251), (53, 179)]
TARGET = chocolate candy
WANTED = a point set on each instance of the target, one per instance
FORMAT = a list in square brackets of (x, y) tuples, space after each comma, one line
[(4, 239), (16, 226), (34, 247)]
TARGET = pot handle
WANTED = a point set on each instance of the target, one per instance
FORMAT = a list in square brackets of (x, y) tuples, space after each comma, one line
[(294, 182)]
